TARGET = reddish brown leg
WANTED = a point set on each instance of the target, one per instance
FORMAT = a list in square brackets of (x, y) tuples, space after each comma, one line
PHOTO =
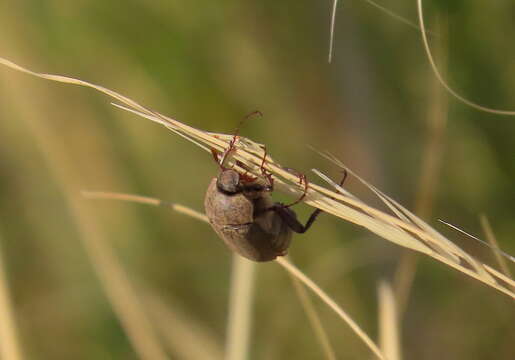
[(247, 178), (302, 179), (265, 173), (289, 217), (229, 149), (215, 156)]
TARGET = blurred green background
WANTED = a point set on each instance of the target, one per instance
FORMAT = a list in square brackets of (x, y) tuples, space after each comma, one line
[(205, 63)]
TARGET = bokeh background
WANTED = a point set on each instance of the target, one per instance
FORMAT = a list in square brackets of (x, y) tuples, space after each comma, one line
[(376, 107)]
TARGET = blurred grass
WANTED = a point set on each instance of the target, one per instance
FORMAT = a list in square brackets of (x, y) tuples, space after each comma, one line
[(208, 64)]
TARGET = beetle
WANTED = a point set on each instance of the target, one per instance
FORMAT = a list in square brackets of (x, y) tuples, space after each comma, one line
[(241, 211)]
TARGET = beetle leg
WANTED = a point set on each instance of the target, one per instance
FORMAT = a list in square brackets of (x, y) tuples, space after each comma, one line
[(302, 179), (265, 173), (247, 178), (215, 156), (226, 154), (289, 217)]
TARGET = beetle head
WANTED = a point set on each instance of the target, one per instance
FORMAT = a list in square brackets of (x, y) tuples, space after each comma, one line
[(230, 182)]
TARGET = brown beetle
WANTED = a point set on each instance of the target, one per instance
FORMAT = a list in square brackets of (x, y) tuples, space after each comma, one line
[(242, 213)]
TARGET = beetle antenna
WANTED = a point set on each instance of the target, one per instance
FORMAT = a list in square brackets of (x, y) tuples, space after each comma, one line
[(302, 179), (237, 135), (245, 118)]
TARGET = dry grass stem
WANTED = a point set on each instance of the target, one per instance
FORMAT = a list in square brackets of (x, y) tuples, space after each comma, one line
[(111, 275), (314, 318), (9, 340), (239, 321), (117, 286), (331, 303), (145, 200), (389, 338), (491, 245), (441, 248), (181, 333), (282, 261), (377, 6), (396, 16), (440, 77), (331, 31), (402, 228), (490, 236)]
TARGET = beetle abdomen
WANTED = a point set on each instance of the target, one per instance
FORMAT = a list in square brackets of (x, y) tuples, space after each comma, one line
[(226, 209)]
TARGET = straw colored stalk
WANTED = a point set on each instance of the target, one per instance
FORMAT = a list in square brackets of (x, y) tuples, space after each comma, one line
[(401, 227), (9, 339), (389, 337), (236, 341)]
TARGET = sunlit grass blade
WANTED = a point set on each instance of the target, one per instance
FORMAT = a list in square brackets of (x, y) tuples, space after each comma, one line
[(314, 319), (414, 234), (282, 261), (489, 233), (181, 333), (332, 304), (239, 322), (9, 340), (388, 322)]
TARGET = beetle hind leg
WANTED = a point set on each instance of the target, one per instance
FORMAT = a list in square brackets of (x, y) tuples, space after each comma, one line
[(289, 217)]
